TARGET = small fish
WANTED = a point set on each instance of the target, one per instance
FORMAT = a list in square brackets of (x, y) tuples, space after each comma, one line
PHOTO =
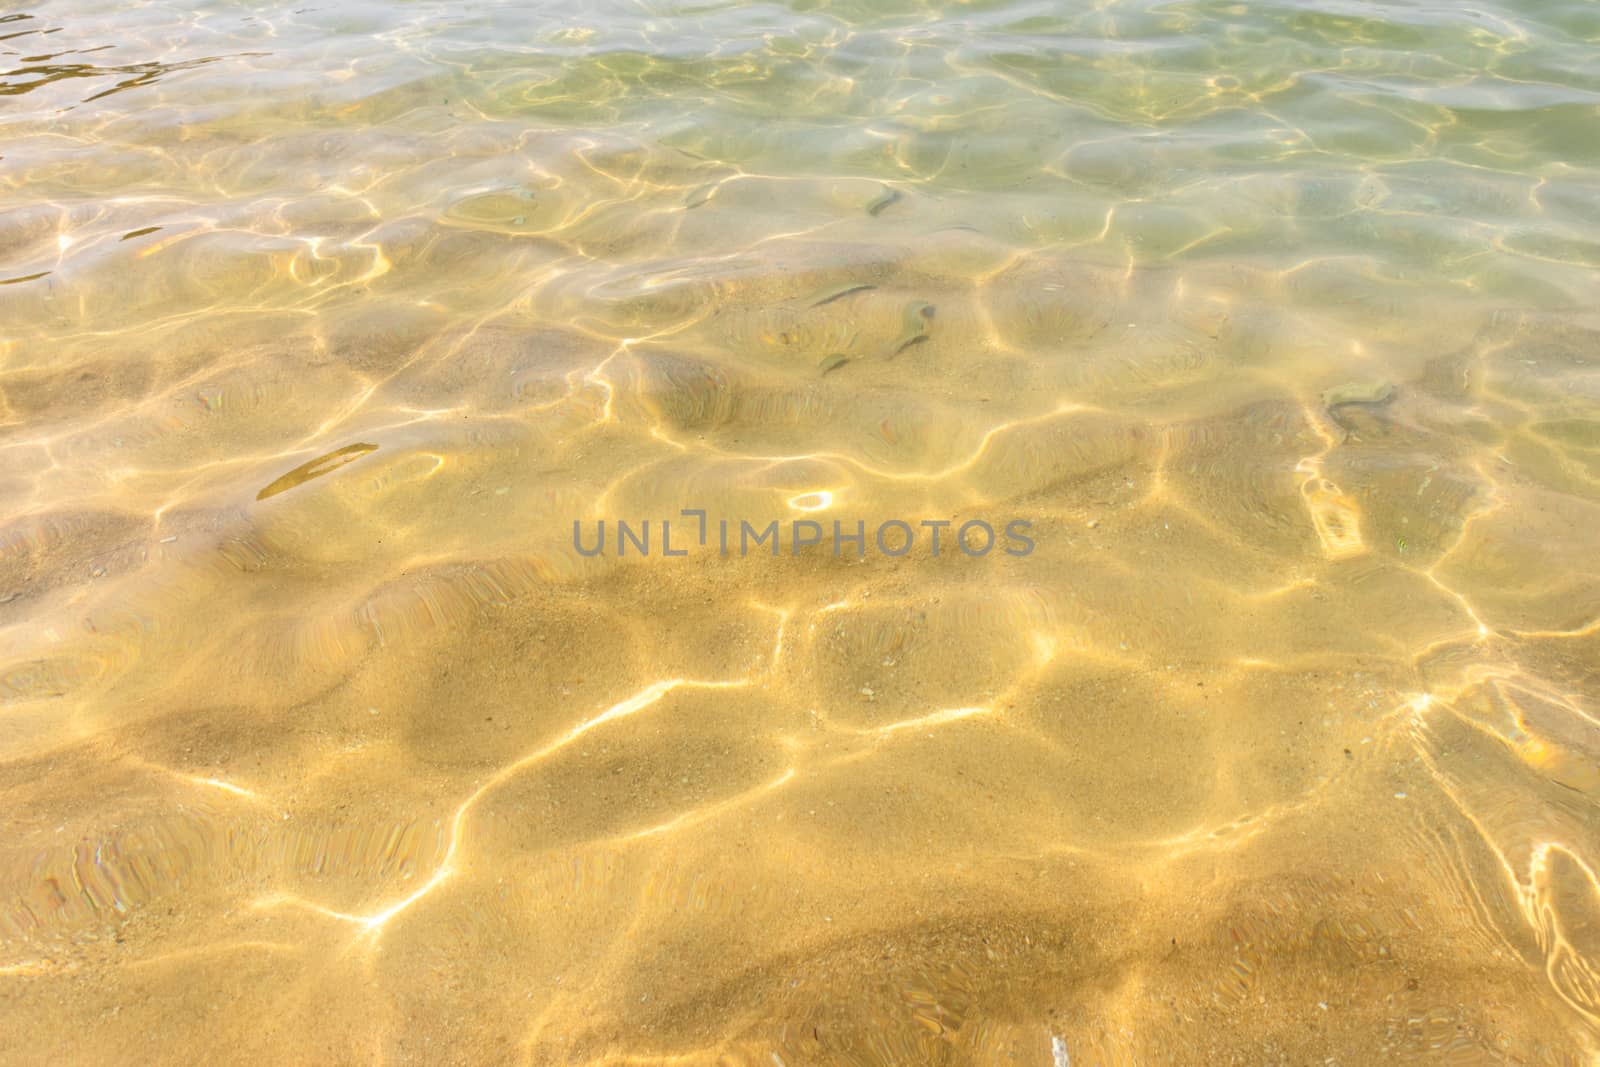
[(882, 201), (918, 314), (699, 196), (316, 468), (834, 362), (842, 292)]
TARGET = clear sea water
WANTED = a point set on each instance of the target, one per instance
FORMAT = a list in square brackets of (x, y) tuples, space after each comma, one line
[(323, 325)]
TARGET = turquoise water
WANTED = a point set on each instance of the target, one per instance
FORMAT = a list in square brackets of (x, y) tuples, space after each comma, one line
[(321, 326)]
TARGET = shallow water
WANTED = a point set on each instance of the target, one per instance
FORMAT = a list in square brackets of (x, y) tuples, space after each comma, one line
[(321, 326)]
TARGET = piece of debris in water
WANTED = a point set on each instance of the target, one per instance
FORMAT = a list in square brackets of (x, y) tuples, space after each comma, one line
[(1372, 392)]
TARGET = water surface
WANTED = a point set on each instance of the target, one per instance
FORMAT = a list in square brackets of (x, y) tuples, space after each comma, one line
[(321, 325)]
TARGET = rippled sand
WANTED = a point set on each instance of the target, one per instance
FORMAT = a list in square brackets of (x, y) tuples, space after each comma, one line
[(320, 328)]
